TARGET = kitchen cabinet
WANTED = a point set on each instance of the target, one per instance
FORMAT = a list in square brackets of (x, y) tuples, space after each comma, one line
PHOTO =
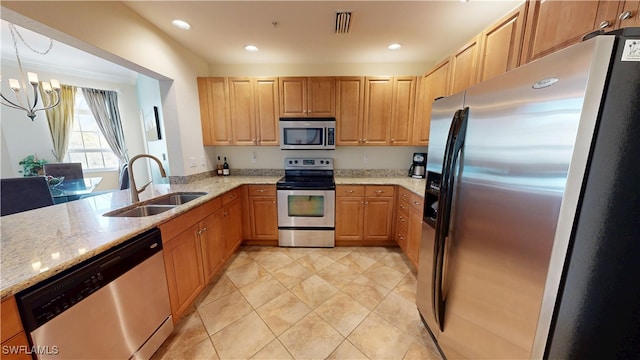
[(434, 84), (553, 25), (263, 214), (501, 44), (464, 65), (389, 106), (409, 224), (215, 119), (12, 333), (628, 14), (403, 109), (307, 96), (253, 106), (364, 214), (196, 246), (349, 109)]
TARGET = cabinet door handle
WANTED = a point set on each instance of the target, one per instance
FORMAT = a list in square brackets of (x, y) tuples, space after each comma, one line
[(226, 213), (404, 196), (625, 15), (403, 207), (416, 202), (349, 191), (204, 229), (401, 219), (379, 191), (261, 190), (605, 24)]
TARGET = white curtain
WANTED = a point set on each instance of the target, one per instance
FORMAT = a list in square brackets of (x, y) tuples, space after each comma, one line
[(104, 106)]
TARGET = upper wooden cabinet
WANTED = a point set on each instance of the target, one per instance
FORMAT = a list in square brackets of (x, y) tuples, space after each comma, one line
[(239, 110), (403, 109), (213, 93), (500, 45), (349, 109), (307, 96), (464, 65), (433, 85), (555, 24), (628, 14)]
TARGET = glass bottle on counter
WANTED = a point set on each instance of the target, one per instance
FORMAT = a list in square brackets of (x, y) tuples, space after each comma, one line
[(225, 167), (219, 167)]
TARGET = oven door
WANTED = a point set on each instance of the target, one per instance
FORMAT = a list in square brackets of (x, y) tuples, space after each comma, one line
[(306, 208)]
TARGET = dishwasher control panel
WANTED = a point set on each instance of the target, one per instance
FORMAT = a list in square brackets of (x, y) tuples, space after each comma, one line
[(44, 301)]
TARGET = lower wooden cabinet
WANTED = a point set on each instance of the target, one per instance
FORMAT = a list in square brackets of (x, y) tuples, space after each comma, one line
[(197, 244), (14, 339), (262, 214), (409, 224), (364, 214)]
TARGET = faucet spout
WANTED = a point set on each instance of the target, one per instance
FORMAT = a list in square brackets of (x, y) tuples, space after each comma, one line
[(132, 183)]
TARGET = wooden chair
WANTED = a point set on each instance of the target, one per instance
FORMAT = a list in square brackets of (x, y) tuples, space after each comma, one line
[(68, 170), (22, 194)]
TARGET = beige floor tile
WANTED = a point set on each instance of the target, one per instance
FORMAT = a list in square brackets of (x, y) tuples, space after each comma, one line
[(418, 351), (337, 252), (384, 275), (246, 274), (282, 312), (240, 258), (401, 313), (271, 261), (203, 350), (346, 351), (292, 274), (315, 261), (407, 287), (242, 339), (357, 262), (337, 274), (366, 291), (297, 253), (374, 252), (311, 338), (188, 332), (314, 291), (378, 339), (343, 313), (274, 351), (220, 313), (262, 291), (397, 261), (222, 287)]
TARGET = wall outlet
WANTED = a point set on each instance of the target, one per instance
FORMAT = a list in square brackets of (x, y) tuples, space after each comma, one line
[(203, 162), (254, 157), (365, 159), (192, 162)]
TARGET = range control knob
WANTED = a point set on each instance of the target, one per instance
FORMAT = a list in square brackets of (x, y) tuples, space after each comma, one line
[(321, 161), (295, 161)]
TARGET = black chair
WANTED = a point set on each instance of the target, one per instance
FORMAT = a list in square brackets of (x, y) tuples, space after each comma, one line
[(22, 194), (68, 170)]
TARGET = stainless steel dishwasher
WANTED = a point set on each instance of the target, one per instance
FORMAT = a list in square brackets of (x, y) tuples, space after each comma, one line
[(114, 306)]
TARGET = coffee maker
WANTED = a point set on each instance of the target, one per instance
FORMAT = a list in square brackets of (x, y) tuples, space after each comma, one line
[(418, 167)]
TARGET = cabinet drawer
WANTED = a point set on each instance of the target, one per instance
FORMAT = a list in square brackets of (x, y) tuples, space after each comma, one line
[(231, 196), (349, 190), (417, 202), (402, 222), (379, 190), (401, 236), (404, 194), (403, 208), (262, 190)]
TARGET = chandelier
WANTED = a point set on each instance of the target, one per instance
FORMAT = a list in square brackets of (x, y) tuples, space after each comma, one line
[(50, 90)]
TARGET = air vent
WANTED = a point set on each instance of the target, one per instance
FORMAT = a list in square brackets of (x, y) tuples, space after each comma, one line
[(343, 22)]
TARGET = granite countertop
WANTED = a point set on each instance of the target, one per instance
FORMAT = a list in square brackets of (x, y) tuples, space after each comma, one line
[(36, 244)]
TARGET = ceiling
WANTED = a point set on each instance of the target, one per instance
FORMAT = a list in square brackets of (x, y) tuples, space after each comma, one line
[(293, 32)]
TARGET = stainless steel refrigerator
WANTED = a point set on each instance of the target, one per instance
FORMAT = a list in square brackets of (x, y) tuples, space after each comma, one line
[(531, 231)]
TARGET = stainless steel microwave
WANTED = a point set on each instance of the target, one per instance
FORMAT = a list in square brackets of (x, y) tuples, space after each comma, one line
[(307, 133)]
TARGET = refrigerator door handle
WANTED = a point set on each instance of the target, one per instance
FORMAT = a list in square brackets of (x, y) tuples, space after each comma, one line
[(454, 144)]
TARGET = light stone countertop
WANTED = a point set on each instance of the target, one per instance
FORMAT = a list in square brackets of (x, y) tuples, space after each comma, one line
[(37, 244)]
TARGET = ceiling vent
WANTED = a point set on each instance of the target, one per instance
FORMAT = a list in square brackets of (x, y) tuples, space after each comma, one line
[(343, 22)]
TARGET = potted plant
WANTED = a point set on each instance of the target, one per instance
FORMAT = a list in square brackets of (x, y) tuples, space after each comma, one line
[(32, 166)]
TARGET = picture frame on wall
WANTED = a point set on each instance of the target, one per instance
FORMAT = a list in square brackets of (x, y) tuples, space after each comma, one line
[(152, 125)]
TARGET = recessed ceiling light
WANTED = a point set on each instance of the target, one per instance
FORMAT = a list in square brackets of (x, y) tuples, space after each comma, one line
[(251, 48), (394, 46), (181, 24)]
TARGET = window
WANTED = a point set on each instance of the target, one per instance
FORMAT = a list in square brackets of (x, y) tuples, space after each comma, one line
[(87, 145)]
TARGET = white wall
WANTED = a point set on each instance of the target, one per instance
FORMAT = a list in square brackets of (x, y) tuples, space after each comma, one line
[(148, 98), (114, 32)]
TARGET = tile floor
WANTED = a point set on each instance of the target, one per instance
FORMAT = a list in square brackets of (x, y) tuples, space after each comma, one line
[(304, 303)]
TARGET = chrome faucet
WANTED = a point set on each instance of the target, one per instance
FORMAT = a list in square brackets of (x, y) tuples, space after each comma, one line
[(132, 183)]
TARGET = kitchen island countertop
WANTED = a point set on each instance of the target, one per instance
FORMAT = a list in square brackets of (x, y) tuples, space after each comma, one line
[(37, 244)]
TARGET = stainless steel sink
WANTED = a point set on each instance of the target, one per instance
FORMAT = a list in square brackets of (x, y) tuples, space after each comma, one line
[(156, 205), (177, 198), (139, 211)]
